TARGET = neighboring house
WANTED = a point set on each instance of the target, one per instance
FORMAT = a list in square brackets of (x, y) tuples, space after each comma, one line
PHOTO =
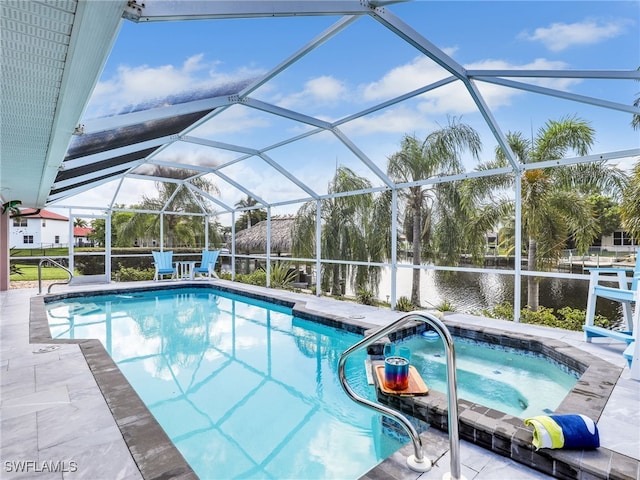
[(618, 241), (44, 229), (81, 237)]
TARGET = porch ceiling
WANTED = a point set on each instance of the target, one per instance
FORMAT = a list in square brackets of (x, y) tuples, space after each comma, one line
[(52, 56)]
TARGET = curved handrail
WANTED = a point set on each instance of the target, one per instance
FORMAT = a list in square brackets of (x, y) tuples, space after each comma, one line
[(416, 461), (50, 260)]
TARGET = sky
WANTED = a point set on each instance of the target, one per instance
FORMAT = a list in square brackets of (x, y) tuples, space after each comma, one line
[(363, 65)]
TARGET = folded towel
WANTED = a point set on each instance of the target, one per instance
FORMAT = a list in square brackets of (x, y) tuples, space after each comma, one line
[(564, 431)]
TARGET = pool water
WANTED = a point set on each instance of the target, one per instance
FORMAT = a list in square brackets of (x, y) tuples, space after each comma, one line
[(242, 388), (505, 379)]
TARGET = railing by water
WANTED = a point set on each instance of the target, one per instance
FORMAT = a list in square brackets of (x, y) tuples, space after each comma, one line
[(416, 461)]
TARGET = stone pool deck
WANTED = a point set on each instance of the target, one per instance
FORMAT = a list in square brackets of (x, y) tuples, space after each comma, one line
[(65, 412)]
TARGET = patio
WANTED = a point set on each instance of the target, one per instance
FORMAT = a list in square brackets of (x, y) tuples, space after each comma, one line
[(54, 411)]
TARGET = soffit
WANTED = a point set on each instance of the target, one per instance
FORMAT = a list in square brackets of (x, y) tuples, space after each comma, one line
[(52, 55)]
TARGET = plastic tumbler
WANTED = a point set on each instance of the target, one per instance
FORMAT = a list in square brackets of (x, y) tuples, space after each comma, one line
[(396, 373)]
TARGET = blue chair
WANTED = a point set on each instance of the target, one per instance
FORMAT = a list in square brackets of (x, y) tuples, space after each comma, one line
[(208, 264), (624, 293), (163, 262)]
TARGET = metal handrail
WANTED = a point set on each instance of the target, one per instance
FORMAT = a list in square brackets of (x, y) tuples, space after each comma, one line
[(50, 260), (415, 462)]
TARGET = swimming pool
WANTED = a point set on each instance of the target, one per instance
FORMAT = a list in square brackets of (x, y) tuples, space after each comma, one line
[(242, 388), (487, 428)]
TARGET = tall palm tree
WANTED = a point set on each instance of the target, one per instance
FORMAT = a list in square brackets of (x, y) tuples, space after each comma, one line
[(631, 198), (347, 233), (249, 217), (555, 201), (438, 154)]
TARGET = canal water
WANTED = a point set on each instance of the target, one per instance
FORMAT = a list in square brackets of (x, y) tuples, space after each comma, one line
[(470, 292)]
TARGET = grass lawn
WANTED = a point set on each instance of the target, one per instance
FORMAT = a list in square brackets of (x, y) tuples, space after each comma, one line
[(30, 273)]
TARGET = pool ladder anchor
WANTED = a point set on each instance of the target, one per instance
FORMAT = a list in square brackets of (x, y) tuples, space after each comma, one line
[(417, 461)]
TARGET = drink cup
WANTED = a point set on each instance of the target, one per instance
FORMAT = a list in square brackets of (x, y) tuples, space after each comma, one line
[(396, 373)]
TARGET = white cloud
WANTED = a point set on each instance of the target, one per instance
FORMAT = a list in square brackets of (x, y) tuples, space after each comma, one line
[(560, 36), (400, 120), (410, 76), (320, 90), (452, 99)]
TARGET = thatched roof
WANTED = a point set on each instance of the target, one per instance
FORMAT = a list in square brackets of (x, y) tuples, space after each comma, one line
[(254, 239)]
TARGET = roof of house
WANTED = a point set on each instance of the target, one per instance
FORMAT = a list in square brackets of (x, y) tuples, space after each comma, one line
[(82, 231), (31, 212)]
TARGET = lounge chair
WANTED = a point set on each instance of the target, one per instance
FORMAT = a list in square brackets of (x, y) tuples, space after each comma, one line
[(207, 264), (626, 293), (163, 262)]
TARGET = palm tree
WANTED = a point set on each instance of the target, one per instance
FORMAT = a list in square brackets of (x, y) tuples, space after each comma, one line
[(438, 154), (555, 201), (630, 209), (173, 197), (631, 198), (347, 232), (80, 222), (249, 217)]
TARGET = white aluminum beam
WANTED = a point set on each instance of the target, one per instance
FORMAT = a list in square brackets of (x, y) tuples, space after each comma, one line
[(220, 145), (286, 113), (70, 182), (313, 44), (288, 175), (363, 158), (240, 187), (162, 11), (412, 37), (486, 113), (634, 152), (594, 74), (560, 94), (208, 196)]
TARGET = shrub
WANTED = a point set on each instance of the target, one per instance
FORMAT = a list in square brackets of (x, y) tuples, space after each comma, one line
[(258, 277), (365, 296), (567, 318), (446, 306), (126, 274), (573, 319), (502, 310), (403, 304), (282, 275), (542, 316)]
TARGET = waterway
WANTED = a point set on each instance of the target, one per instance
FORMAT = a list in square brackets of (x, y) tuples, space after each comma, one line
[(470, 292)]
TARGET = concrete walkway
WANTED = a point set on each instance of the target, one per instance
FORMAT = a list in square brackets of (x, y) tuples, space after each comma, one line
[(55, 422)]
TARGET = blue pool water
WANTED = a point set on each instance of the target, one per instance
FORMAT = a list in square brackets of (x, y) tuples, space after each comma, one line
[(504, 379), (243, 389)]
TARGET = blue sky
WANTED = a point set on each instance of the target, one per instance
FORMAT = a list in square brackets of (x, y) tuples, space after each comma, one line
[(366, 64)]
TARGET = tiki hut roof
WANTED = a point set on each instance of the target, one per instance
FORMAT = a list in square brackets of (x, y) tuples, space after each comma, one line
[(254, 239)]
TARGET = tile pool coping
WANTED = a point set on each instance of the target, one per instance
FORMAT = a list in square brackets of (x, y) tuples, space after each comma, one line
[(157, 457)]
